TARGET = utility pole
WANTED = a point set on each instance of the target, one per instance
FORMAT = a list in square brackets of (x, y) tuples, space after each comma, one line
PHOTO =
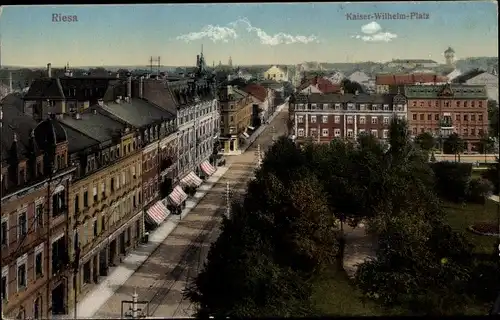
[(228, 200), (153, 60), (259, 156)]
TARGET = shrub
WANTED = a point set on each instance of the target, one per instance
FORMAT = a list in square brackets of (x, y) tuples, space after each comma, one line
[(452, 179), (479, 190)]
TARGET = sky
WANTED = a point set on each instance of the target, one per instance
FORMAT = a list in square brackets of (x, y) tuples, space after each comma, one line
[(277, 33)]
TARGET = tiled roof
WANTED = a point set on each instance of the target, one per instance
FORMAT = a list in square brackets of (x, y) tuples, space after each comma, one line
[(458, 91), (348, 97), (14, 121), (78, 141), (257, 91), (80, 88), (96, 125), (466, 76), (138, 112), (414, 78), (323, 85)]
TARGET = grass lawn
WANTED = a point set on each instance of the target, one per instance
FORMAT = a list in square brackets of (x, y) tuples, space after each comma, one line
[(461, 217), (335, 296)]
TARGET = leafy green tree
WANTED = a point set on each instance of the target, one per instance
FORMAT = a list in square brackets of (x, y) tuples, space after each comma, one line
[(455, 145), (480, 189), (425, 141), (493, 117), (486, 145), (493, 175), (351, 86)]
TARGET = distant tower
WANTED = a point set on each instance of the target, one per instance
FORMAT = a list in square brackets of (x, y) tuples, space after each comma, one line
[(449, 55), (67, 71), (230, 62)]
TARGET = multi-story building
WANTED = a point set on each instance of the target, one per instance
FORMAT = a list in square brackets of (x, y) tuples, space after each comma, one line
[(105, 198), (442, 110), (236, 108), (318, 85), (192, 100), (34, 193), (154, 125), (263, 106), (277, 73), (323, 117), (391, 83), (412, 63)]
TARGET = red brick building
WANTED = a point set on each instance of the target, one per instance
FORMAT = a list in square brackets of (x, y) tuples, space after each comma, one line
[(323, 117), (444, 109)]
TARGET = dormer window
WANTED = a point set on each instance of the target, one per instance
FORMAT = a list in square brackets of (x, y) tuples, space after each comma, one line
[(22, 176)]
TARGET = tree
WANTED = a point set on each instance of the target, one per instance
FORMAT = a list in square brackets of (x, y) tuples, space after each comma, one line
[(425, 141), (486, 145), (281, 234), (351, 86), (454, 145), (493, 116), (492, 174), (480, 189)]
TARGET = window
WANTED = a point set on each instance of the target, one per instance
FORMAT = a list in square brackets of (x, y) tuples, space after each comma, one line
[(480, 132), (472, 132), (77, 203), (132, 171), (421, 117), (374, 120), (386, 106), (39, 215), (39, 263), (337, 119), (429, 117), (22, 224), (117, 182), (300, 119), (123, 178), (466, 117), (465, 132), (94, 227), (324, 119), (386, 134), (350, 133), (362, 131), (301, 132), (324, 132), (362, 120), (473, 117), (457, 117), (313, 119), (336, 132), (231, 119), (37, 308), (5, 281), (414, 116), (85, 199), (374, 133), (436, 117), (94, 193), (480, 117), (103, 223), (112, 184), (313, 132), (386, 120), (473, 104), (5, 230), (480, 104), (349, 119), (21, 272), (103, 189)]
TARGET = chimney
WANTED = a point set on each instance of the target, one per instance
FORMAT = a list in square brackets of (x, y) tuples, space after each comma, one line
[(141, 87), (49, 70), (129, 87), (10, 82)]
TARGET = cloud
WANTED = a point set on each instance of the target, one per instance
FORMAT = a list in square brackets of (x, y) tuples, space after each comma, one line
[(214, 33), (224, 34), (372, 32), (371, 28)]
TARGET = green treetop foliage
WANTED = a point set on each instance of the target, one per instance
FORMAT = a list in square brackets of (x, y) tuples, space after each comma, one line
[(425, 141)]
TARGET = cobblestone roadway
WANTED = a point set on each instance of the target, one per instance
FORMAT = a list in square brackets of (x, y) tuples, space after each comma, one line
[(162, 278)]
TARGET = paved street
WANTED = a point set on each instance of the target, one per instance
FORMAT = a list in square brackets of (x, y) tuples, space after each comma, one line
[(163, 277)]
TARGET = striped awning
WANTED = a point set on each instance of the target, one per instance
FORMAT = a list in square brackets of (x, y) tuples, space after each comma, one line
[(207, 168), (177, 196), (191, 180), (157, 213)]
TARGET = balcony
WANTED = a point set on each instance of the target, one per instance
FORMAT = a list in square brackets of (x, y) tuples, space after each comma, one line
[(446, 124)]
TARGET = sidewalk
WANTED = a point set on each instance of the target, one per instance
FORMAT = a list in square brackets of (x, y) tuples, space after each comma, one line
[(263, 127), (95, 299)]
